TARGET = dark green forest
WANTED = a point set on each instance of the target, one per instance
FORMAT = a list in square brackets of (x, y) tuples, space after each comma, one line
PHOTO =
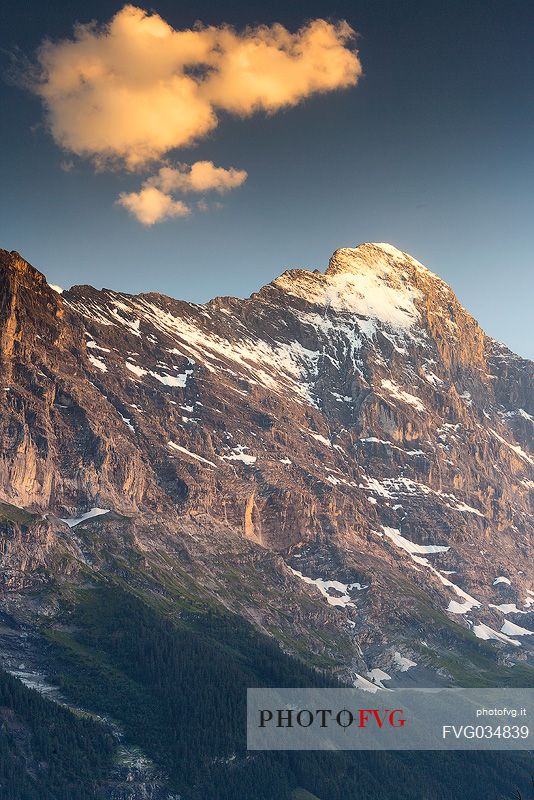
[(178, 688), (47, 753)]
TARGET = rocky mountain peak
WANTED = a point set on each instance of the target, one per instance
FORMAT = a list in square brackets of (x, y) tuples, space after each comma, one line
[(380, 265), (30, 311), (378, 257), (13, 265), (374, 281)]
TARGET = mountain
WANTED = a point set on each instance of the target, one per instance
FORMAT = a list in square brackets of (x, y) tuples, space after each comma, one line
[(343, 462)]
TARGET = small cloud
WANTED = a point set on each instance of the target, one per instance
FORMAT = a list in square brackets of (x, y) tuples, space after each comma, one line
[(66, 166), (155, 203), (202, 176), (37, 127), (150, 205), (56, 288)]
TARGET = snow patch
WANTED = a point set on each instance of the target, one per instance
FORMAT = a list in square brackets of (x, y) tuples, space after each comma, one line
[(94, 512), (173, 380), (403, 663), (364, 281), (96, 362), (483, 631), (511, 629), (461, 608), (320, 438), (94, 346), (179, 381), (508, 608), (139, 371), (362, 683), (238, 454), (378, 676), (411, 547), (186, 452), (325, 587), (391, 488), (128, 422), (276, 365)]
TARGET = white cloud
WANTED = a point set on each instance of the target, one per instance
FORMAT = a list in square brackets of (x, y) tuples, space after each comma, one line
[(150, 205), (134, 89)]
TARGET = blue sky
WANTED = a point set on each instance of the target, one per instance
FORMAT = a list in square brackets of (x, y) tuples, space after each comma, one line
[(432, 151)]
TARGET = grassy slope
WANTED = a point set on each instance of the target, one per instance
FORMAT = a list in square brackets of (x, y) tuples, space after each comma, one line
[(10, 513)]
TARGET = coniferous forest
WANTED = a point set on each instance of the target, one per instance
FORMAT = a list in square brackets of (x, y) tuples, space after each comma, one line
[(178, 689), (46, 752)]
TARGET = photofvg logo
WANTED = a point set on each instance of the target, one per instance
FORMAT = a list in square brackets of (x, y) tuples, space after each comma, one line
[(407, 719), (326, 717)]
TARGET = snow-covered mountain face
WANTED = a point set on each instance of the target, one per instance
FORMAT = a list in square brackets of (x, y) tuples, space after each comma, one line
[(345, 458)]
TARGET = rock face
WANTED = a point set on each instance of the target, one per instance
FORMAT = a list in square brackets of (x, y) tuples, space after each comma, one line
[(352, 436)]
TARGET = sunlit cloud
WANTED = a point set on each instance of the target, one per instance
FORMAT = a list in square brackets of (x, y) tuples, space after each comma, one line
[(202, 176), (155, 201), (127, 93), (151, 205), (67, 165), (135, 88)]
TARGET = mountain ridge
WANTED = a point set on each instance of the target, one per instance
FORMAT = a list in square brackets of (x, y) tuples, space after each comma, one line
[(377, 439)]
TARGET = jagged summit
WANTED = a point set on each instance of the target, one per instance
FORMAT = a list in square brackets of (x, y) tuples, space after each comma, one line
[(379, 257), (12, 263), (373, 280)]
